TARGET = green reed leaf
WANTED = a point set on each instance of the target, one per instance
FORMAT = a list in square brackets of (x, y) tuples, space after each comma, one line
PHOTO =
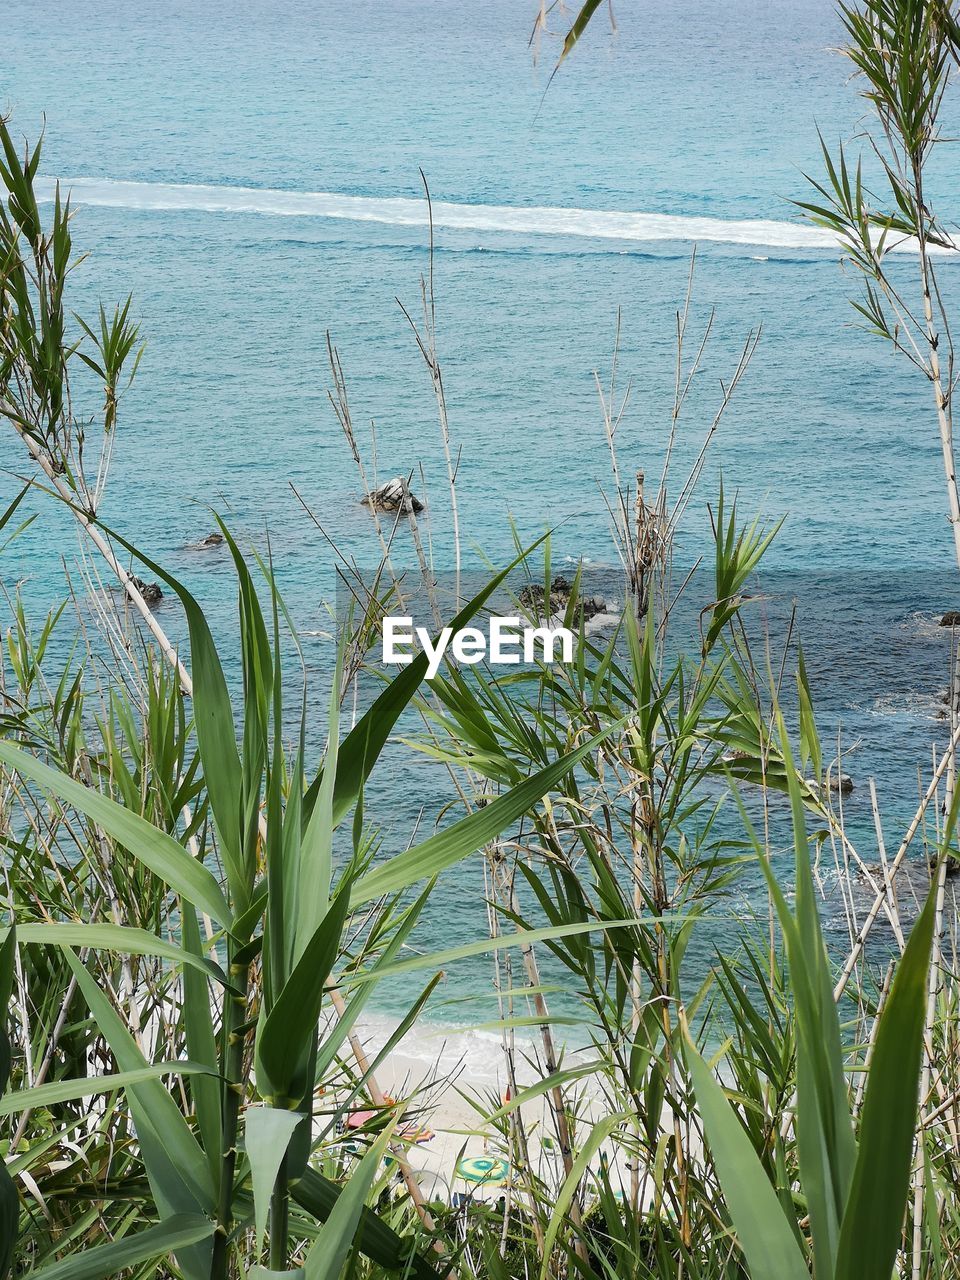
[(285, 1036), (154, 848), (471, 833), (102, 1262), (873, 1219), (215, 728), (45, 1095), (178, 1173), (763, 1233), (121, 938), (378, 1241), (329, 1251)]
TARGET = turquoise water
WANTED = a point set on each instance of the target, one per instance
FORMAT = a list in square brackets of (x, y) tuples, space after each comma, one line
[(251, 174)]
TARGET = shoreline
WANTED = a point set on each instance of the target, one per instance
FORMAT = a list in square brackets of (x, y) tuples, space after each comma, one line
[(454, 1078)]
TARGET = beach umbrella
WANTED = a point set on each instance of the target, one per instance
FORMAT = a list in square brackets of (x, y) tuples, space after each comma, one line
[(417, 1133), (357, 1119), (363, 1116), (483, 1170)]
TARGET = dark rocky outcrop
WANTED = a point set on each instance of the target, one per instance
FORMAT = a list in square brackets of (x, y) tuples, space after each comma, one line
[(953, 865), (533, 597), (149, 590), (389, 497), (837, 782), (951, 618)]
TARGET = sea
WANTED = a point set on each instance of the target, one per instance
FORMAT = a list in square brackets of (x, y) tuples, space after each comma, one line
[(254, 176)]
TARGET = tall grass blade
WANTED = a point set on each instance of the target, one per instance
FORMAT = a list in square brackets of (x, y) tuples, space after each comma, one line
[(315, 864), (873, 1219), (9, 1200), (448, 847), (154, 848), (201, 1046), (578, 27), (45, 1095), (764, 1235), (105, 1261), (176, 1169), (285, 1037), (329, 1251), (598, 1134), (375, 1239), (215, 727), (124, 939), (825, 1140)]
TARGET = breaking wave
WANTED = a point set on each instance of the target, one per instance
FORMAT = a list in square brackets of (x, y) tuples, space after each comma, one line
[(479, 218)]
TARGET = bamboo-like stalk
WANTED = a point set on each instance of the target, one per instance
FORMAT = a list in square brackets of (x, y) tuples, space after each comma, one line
[(944, 404), (232, 1042), (427, 342), (504, 889), (856, 949), (943, 395), (892, 913), (379, 1100), (501, 889), (933, 984), (99, 541)]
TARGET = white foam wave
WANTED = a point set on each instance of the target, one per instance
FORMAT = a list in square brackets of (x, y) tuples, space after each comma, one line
[(911, 705), (403, 212), (928, 626)]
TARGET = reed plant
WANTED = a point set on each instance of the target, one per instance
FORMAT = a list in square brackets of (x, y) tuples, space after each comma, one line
[(198, 919)]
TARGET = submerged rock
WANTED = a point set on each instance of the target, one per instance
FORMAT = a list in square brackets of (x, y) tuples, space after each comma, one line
[(390, 497)]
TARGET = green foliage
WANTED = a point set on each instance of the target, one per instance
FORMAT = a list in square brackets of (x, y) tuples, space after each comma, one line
[(37, 351), (763, 1233), (147, 1245), (198, 933), (855, 1191), (870, 1234), (9, 1201)]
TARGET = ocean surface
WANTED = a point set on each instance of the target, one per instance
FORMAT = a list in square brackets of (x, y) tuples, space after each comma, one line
[(252, 175)]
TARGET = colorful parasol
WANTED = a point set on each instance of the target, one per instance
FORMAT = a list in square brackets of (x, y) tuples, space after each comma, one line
[(357, 1119), (484, 1170)]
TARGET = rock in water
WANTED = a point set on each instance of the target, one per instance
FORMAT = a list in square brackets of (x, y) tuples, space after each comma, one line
[(389, 497), (951, 618), (533, 597), (149, 590), (211, 540)]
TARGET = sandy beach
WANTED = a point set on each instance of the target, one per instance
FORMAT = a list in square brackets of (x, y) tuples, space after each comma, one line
[(453, 1079)]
